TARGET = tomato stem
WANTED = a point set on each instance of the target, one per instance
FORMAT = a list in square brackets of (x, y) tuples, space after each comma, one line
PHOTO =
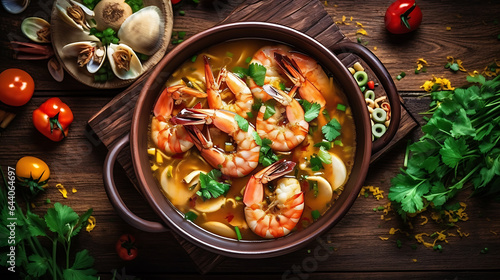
[(406, 15), (55, 121)]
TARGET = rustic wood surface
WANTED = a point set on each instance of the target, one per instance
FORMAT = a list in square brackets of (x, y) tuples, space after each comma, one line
[(357, 250)]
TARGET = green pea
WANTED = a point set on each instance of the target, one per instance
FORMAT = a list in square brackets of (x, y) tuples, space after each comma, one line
[(378, 130), (379, 115), (361, 77)]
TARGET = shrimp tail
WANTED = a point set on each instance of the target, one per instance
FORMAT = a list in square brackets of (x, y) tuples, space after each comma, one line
[(254, 191)]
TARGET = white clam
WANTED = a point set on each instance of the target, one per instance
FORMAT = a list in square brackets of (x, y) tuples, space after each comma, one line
[(89, 54), (81, 21), (143, 30), (124, 62), (36, 29), (15, 6), (219, 228)]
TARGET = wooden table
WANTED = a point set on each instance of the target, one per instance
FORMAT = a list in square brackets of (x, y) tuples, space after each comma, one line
[(466, 30)]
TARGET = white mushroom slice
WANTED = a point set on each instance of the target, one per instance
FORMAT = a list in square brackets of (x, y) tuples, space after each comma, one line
[(209, 205), (219, 228), (143, 30), (124, 62), (36, 29), (191, 176), (320, 198), (177, 193)]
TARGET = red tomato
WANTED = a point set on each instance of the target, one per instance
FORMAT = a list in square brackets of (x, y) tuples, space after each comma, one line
[(176, 1), (403, 16), (16, 87), (125, 247), (53, 118)]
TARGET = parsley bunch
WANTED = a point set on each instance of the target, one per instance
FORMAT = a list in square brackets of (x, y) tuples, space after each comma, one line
[(460, 148), (59, 226), (210, 187)]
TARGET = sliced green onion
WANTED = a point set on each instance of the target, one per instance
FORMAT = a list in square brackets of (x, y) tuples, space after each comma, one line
[(182, 13), (181, 34), (315, 214), (341, 107), (193, 59), (338, 143), (238, 233), (229, 54), (248, 59)]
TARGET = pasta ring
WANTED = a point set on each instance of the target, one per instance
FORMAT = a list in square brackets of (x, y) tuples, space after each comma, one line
[(378, 130), (379, 115), (370, 94), (361, 78)]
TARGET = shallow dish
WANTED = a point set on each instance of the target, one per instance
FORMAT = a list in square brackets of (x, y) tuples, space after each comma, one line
[(170, 216), (63, 34)]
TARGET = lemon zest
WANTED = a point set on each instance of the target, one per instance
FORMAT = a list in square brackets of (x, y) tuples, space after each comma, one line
[(359, 24), (444, 84), (91, 222), (425, 220), (73, 190), (421, 63), (383, 238), (361, 31), (62, 190), (414, 260), (448, 28)]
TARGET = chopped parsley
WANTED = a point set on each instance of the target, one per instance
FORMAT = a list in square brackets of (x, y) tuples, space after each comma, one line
[(190, 216), (242, 123), (270, 110), (266, 154), (210, 187), (331, 130), (257, 72), (311, 110)]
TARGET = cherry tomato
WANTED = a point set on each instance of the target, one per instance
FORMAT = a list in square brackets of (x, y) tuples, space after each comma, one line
[(53, 118), (403, 16), (125, 247), (370, 85), (16, 87), (176, 1), (32, 173)]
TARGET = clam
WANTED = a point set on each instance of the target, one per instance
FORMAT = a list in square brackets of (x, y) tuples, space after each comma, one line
[(124, 62), (142, 30), (55, 69), (88, 53), (74, 13), (36, 29), (111, 13), (15, 6)]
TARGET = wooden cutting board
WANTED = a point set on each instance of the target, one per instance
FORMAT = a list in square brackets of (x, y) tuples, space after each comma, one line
[(113, 121)]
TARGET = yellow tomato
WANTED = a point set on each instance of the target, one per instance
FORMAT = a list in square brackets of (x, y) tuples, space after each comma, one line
[(32, 172)]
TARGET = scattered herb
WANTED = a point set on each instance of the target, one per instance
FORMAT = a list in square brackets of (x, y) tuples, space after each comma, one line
[(181, 34), (266, 154), (311, 110), (210, 187), (399, 244), (229, 54), (240, 71), (452, 66), (270, 110), (400, 76), (257, 72), (316, 162), (484, 251), (460, 148), (331, 130), (182, 13), (190, 216), (193, 59), (324, 144), (107, 36), (248, 59), (341, 107), (136, 5), (90, 3), (315, 214), (242, 122), (324, 156)]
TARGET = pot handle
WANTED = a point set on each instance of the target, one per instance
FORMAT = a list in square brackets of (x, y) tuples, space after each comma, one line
[(385, 79), (114, 196)]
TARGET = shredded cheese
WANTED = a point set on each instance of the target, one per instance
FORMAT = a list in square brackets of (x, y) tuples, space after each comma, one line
[(62, 190), (91, 222), (376, 192), (425, 220), (421, 63), (442, 84)]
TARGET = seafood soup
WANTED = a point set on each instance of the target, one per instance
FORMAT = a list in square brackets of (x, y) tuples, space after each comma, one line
[(251, 139)]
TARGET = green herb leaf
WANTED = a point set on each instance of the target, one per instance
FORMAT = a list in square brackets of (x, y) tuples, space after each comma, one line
[(270, 110), (266, 154), (315, 214), (331, 130), (311, 111), (210, 187), (316, 163), (453, 151), (60, 219), (240, 72), (37, 266), (37, 226), (313, 186), (190, 216), (324, 156), (257, 72), (242, 122)]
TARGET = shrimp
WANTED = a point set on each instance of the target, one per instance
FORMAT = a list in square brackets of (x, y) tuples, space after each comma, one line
[(265, 57), (238, 163), (306, 74), (285, 134), (278, 217), (167, 136), (243, 95)]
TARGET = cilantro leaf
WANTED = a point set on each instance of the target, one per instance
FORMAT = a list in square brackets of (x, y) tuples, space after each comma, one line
[(83, 260), (240, 72), (242, 122), (266, 154), (37, 226), (453, 151), (331, 130), (257, 72), (59, 217), (316, 163), (311, 111), (210, 187), (37, 266), (270, 110)]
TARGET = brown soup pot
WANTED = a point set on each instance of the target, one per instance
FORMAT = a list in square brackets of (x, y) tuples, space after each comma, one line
[(171, 218)]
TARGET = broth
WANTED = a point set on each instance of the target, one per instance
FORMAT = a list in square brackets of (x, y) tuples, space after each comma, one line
[(177, 174)]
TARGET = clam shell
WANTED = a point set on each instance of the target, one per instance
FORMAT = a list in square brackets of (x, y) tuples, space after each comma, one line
[(62, 5), (31, 25), (135, 64), (73, 49), (55, 69), (15, 6), (118, 9), (143, 30)]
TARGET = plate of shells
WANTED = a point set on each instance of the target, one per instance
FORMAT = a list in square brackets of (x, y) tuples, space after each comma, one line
[(110, 43)]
